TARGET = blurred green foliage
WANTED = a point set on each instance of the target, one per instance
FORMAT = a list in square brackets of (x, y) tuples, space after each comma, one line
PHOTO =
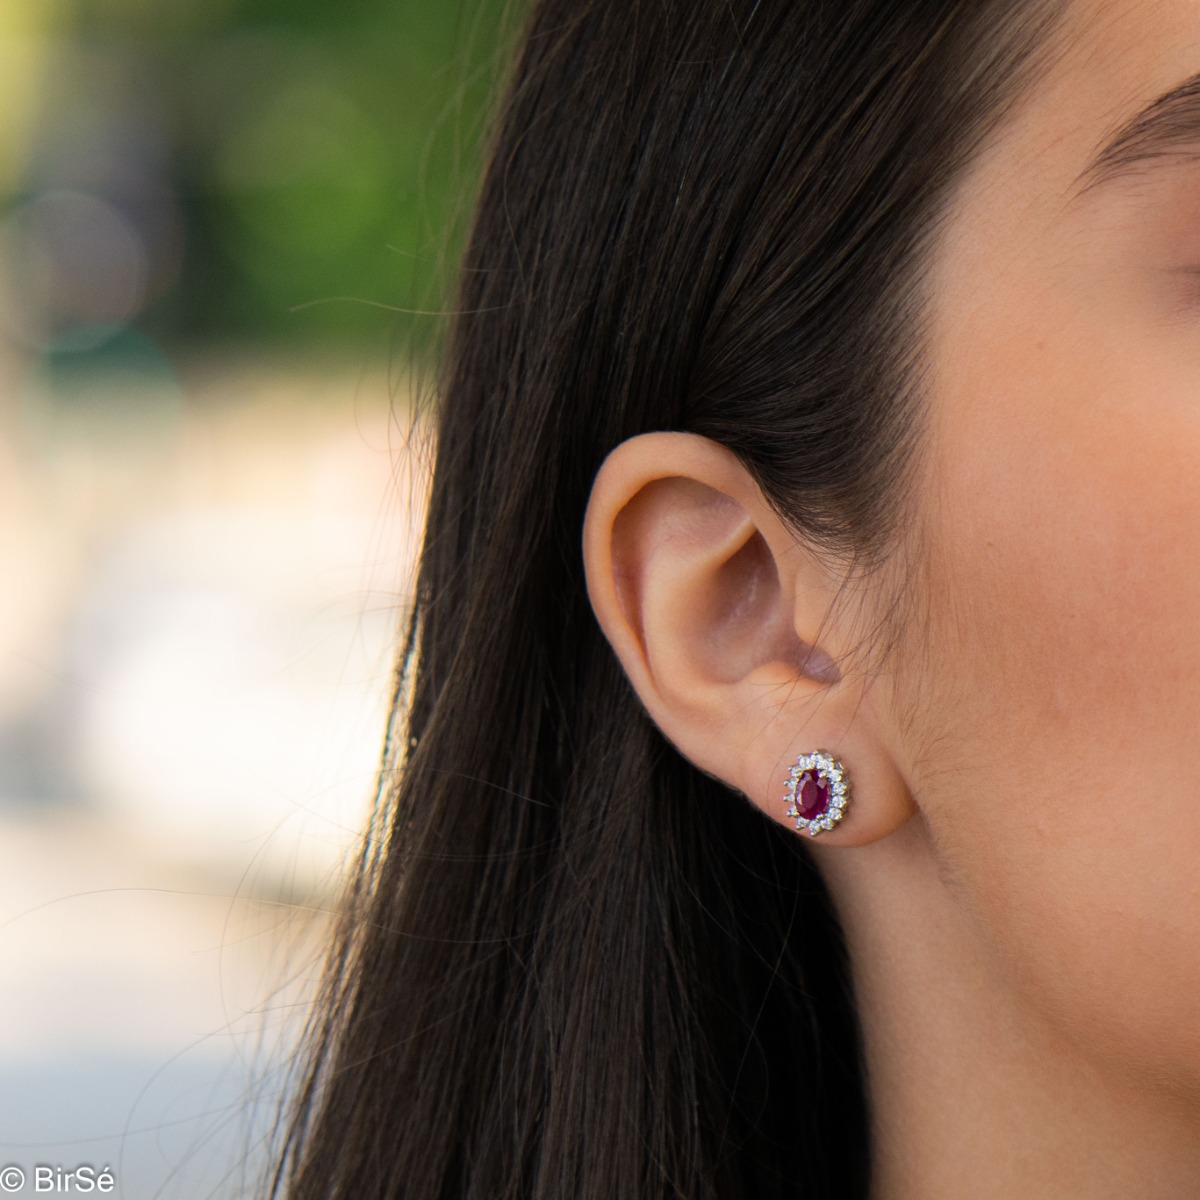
[(322, 155)]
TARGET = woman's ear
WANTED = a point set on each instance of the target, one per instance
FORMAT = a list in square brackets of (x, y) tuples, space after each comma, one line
[(727, 629)]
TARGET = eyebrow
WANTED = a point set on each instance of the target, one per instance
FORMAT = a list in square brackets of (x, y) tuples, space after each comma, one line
[(1168, 128)]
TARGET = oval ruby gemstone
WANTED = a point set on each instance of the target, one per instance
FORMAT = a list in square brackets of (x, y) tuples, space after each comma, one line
[(812, 795)]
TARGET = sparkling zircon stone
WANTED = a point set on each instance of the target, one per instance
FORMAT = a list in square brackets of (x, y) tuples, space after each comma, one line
[(812, 795)]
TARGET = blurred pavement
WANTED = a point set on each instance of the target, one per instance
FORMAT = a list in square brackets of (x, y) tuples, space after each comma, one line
[(205, 569)]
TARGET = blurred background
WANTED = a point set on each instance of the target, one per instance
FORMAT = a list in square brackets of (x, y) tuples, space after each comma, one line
[(224, 227)]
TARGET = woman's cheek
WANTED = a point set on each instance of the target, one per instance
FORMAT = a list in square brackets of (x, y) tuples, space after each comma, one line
[(1066, 793)]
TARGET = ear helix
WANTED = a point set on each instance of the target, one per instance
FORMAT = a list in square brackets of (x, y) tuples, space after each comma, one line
[(817, 792)]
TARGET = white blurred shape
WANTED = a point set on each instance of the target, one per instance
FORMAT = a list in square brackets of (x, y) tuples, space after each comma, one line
[(235, 716)]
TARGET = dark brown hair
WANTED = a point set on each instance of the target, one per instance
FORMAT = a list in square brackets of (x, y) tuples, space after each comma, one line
[(572, 965)]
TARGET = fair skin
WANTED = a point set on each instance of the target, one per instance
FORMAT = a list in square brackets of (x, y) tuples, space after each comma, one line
[(1017, 875)]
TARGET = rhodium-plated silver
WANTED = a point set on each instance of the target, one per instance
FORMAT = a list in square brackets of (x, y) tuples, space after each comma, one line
[(830, 769)]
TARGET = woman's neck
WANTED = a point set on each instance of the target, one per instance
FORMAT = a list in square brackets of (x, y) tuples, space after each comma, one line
[(972, 1093)]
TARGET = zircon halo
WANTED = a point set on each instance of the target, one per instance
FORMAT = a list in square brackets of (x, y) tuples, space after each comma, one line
[(817, 792)]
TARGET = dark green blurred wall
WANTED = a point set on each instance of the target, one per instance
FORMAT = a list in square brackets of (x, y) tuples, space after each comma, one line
[(277, 156)]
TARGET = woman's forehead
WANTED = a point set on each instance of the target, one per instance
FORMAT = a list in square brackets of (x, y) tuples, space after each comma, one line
[(1119, 98)]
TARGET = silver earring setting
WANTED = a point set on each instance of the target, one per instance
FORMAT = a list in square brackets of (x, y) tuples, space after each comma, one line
[(817, 792)]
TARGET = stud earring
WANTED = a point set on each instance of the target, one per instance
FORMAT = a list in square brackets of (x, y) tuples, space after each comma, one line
[(817, 792)]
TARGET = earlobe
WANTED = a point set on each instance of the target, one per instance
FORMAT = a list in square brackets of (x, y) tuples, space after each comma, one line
[(723, 622)]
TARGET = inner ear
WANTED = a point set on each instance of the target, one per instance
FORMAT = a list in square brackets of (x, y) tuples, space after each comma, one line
[(748, 609), (745, 609), (673, 519)]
